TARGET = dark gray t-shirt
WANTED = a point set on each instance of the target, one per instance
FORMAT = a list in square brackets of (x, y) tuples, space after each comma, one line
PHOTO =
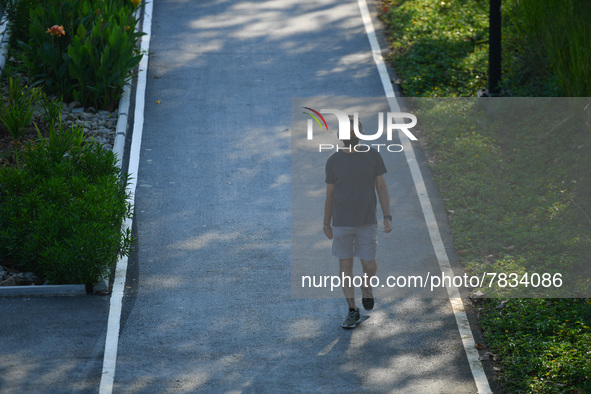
[(354, 176)]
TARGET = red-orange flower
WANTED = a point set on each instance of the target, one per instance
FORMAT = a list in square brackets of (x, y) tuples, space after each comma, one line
[(56, 30)]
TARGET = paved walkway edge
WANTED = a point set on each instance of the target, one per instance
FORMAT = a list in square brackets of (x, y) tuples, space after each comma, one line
[(42, 291), (116, 302), (456, 302)]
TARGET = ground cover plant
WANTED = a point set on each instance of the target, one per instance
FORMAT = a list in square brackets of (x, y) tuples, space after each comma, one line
[(438, 48), (516, 201), (546, 342)]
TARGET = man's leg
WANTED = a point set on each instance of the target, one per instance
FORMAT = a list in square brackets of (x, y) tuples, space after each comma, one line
[(346, 270), (367, 247), (342, 245), (370, 268)]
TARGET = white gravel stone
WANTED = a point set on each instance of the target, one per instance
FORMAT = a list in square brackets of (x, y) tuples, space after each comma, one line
[(99, 124)]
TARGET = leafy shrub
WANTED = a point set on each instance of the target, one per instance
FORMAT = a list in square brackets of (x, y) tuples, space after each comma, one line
[(83, 50), (100, 60), (42, 54), (61, 212), (16, 111)]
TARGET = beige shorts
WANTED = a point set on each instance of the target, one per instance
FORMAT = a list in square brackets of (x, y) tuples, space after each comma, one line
[(359, 241)]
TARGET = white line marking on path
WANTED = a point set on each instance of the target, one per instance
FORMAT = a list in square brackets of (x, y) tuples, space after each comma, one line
[(114, 322), (480, 379)]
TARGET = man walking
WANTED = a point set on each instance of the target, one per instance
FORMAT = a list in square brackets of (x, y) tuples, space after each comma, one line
[(352, 178)]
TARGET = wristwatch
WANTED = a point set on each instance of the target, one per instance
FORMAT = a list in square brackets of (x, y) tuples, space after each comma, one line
[(388, 217)]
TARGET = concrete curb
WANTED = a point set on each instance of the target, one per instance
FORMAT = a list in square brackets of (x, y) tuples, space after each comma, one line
[(118, 148), (44, 291), (4, 38)]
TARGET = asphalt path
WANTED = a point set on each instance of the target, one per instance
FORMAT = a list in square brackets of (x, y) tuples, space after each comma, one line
[(52, 345), (209, 303), (210, 306)]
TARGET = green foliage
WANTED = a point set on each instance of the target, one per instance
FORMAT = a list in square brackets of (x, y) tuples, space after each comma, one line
[(542, 345), (61, 141), (16, 111), (61, 212), (51, 111), (518, 198), (517, 188), (42, 53), (100, 60), (547, 44), (92, 59), (439, 49), (17, 12)]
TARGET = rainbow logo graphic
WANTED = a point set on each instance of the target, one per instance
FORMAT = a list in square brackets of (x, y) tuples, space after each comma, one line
[(315, 116)]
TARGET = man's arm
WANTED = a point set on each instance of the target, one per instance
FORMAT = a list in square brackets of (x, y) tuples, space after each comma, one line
[(328, 210), (384, 198)]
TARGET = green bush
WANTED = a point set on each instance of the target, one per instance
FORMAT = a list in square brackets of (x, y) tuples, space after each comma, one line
[(17, 13), (16, 111), (61, 212), (83, 50)]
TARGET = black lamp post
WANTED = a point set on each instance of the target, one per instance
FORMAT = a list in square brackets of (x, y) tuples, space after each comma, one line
[(494, 47)]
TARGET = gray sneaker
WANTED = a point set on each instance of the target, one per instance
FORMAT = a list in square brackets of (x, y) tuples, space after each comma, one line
[(353, 318)]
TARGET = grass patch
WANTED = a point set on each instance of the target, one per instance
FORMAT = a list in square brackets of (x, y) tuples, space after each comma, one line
[(545, 344), (439, 48), (519, 203), (518, 197)]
